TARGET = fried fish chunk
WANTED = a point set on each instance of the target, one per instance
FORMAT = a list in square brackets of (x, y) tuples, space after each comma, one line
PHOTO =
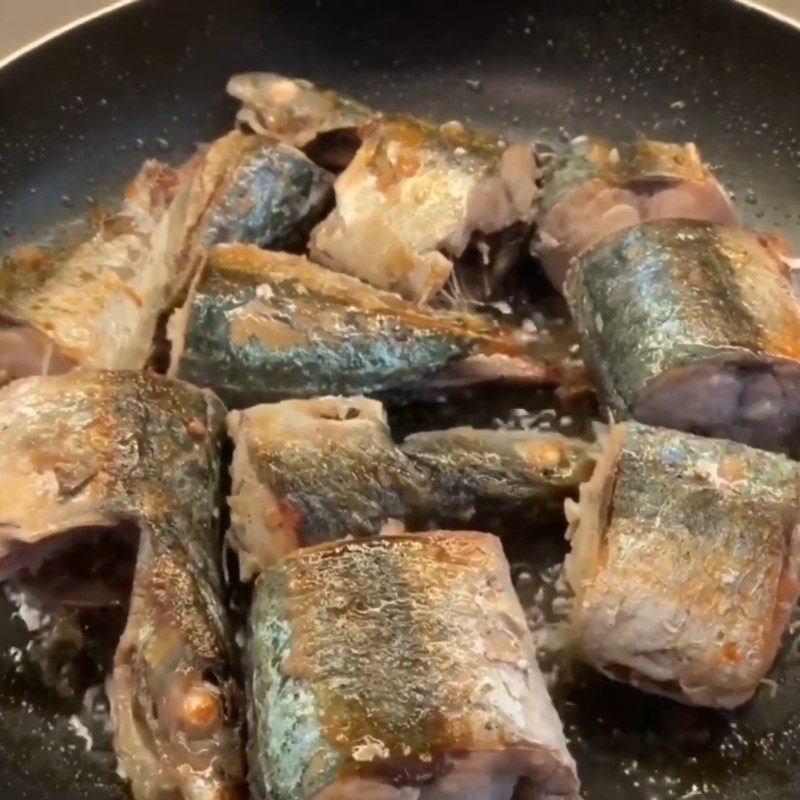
[(261, 326), (399, 667), (685, 563), (693, 326), (597, 188)]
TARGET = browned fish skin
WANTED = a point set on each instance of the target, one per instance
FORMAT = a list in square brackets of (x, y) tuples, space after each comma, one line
[(244, 188), (399, 666), (263, 326), (685, 562), (94, 303), (522, 475), (413, 196), (176, 707), (309, 471), (597, 188), (693, 326), (85, 452), (131, 457)]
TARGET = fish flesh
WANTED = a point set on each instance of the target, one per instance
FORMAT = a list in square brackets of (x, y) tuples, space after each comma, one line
[(399, 667), (260, 326), (84, 489), (523, 475), (311, 471), (685, 562), (92, 303), (244, 188), (597, 188), (693, 326), (416, 196), (82, 455), (319, 121), (176, 706)]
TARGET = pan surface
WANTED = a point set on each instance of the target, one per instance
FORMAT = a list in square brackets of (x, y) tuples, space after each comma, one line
[(79, 114)]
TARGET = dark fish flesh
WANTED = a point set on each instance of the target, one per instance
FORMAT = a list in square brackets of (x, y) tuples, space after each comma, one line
[(693, 326), (597, 188), (399, 667), (413, 199), (261, 326), (685, 562), (310, 471), (321, 122), (94, 303)]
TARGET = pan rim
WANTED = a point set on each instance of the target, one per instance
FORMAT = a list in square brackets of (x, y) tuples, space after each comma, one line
[(54, 34), (118, 4), (771, 12)]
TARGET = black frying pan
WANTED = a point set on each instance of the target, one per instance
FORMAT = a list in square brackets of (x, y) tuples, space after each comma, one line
[(80, 113)]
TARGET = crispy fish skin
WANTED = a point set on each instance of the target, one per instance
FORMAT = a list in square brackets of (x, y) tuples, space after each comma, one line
[(597, 188), (412, 197), (308, 471), (685, 562), (176, 707), (85, 451), (473, 470), (399, 667), (130, 455), (244, 188), (695, 327), (95, 303), (297, 112), (262, 326)]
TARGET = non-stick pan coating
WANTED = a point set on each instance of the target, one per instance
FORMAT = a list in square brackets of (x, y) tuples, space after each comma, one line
[(79, 114)]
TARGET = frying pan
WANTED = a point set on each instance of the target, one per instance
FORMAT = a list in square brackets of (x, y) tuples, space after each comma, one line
[(78, 114)]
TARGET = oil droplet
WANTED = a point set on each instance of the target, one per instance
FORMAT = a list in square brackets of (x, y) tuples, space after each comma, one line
[(162, 144)]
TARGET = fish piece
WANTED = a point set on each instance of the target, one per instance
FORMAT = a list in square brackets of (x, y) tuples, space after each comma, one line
[(176, 707), (84, 486), (685, 562), (399, 667), (415, 196), (248, 189), (598, 188), (306, 472), (262, 326), (693, 326), (81, 456), (526, 475), (322, 122), (309, 471), (93, 303)]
